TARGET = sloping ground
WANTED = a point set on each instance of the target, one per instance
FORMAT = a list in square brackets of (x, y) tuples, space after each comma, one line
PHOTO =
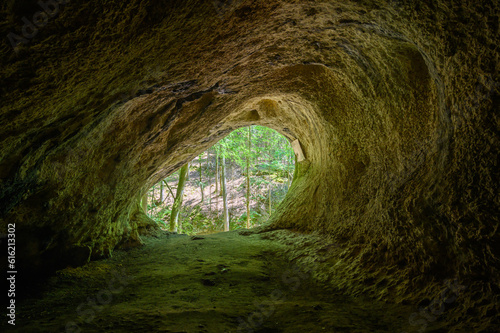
[(236, 188), (225, 282)]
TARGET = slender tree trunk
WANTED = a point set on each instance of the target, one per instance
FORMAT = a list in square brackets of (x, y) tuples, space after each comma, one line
[(174, 217), (209, 185), (161, 192), (201, 181), (169, 189), (224, 194), (217, 183), (187, 174), (231, 182), (248, 174), (220, 178)]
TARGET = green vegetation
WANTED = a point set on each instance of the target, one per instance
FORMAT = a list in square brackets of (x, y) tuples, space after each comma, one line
[(235, 184)]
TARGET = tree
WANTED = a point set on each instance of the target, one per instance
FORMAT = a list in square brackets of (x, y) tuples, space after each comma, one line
[(217, 182), (161, 192), (209, 184), (248, 175), (260, 155), (174, 217), (224, 194), (201, 180), (169, 189)]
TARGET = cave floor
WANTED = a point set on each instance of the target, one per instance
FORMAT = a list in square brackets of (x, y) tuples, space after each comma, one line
[(225, 282)]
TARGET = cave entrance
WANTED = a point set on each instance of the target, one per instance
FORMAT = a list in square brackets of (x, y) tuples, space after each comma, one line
[(237, 183)]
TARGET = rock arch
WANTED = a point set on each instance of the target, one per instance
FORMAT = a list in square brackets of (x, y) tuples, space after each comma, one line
[(394, 110)]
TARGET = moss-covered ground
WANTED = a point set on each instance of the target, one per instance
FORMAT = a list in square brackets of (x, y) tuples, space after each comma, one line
[(225, 282)]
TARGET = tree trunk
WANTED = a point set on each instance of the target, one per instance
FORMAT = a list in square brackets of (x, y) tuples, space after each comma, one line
[(220, 178), (174, 217), (248, 175), (201, 181), (224, 194), (231, 182), (217, 183), (169, 189), (161, 192), (209, 185)]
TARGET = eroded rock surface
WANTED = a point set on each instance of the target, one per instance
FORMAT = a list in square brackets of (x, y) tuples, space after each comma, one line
[(395, 105)]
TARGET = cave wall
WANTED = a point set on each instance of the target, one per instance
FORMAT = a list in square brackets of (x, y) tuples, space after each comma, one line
[(395, 105)]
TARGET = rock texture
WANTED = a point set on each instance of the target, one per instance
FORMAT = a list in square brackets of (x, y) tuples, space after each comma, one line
[(395, 105)]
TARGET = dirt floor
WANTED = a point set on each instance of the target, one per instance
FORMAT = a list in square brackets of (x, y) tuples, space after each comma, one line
[(224, 282)]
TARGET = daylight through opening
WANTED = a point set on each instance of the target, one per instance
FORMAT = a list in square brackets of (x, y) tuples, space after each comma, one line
[(237, 183)]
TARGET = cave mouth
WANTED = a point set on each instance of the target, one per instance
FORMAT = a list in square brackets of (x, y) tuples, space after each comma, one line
[(258, 170), (394, 104)]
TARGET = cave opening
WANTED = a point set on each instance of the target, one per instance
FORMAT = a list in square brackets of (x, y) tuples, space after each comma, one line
[(237, 183), (391, 108)]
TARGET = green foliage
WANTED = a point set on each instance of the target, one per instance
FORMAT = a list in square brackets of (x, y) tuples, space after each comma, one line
[(271, 165), (162, 217)]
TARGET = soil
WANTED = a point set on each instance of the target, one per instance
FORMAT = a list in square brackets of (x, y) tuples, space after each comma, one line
[(223, 282)]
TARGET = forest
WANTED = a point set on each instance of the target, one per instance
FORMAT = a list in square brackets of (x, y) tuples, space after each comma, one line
[(235, 184)]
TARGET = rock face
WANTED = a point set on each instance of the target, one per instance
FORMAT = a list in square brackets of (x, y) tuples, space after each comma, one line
[(395, 106)]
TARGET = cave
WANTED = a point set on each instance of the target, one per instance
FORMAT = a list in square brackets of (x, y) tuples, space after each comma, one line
[(392, 107)]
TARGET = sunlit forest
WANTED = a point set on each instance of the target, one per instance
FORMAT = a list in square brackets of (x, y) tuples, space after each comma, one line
[(235, 184)]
